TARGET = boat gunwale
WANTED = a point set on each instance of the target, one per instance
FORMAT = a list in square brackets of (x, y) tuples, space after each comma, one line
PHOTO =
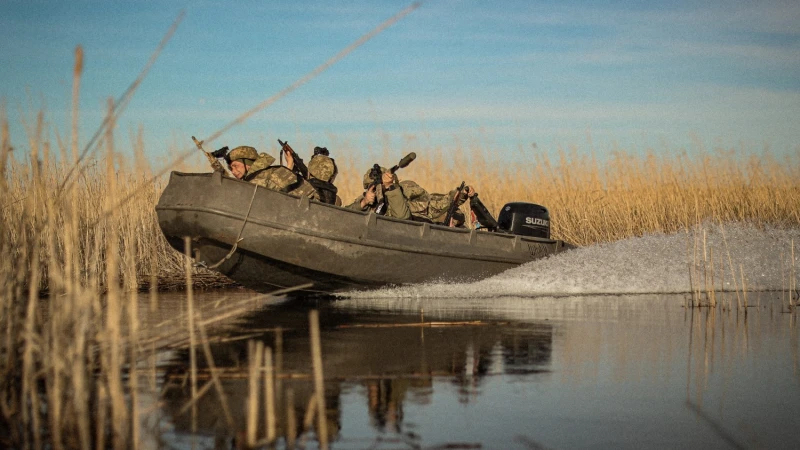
[(368, 243), (440, 227)]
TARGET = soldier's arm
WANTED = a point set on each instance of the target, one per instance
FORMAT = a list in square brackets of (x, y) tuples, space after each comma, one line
[(397, 203), (356, 205)]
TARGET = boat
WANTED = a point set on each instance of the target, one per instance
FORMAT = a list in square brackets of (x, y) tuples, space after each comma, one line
[(267, 240)]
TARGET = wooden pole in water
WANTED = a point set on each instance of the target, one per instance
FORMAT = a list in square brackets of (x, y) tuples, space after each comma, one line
[(319, 380)]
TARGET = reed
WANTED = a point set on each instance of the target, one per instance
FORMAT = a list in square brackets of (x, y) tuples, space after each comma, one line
[(628, 194), (78, 249)]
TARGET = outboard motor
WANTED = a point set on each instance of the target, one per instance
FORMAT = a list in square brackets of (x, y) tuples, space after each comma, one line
[(526, 219)]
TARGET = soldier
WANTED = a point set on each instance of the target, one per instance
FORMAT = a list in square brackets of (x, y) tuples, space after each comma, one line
[(426, 207), (390, 198), (249, 165), (322, 172)]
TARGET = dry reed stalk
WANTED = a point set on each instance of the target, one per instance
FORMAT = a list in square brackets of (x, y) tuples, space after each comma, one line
[(713, 293), (319, 379), (269, 396), (278, 369), (113, 361), (255, 352), (308, 418), (744, 287), (187, 245), (291, 424), (793, 282), (730, 265), (214, 375), (100, 415), (705, 266)]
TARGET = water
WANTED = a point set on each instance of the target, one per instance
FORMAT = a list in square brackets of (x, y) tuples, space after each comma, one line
[(520, 361)]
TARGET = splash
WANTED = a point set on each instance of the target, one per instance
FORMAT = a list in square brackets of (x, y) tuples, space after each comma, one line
[(723, 256)]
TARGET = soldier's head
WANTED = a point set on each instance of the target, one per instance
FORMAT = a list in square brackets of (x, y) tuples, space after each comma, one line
[(242, 158), (322, 167)]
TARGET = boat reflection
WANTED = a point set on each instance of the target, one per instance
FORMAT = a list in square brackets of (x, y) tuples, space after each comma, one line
[(385, 360)]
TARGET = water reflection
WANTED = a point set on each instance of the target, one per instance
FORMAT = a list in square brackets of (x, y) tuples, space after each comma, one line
[(619, 372)]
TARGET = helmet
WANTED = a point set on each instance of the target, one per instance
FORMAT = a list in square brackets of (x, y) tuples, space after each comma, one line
[(322, 168), (368, 176), (243, 152)]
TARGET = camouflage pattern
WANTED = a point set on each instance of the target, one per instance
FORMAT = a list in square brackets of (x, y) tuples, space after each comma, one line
[(278, 178), (428, 206), (244, 152), (305, 189), (418, 198), (397, 204), (368, 180), (322, 168), (439, 204)]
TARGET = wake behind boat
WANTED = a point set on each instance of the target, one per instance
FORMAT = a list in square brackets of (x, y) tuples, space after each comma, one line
[(286, 241)]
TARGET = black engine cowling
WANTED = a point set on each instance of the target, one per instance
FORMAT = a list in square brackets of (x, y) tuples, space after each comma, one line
[(526, 219)]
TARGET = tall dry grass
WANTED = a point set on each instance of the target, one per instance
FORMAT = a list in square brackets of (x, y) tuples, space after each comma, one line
[(624, 195), (76, 252)]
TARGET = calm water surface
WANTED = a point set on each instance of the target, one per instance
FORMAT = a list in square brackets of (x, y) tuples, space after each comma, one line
[(504, 373)]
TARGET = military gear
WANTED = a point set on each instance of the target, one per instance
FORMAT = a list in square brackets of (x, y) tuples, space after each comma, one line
[(368, 177), (299, 166), (277, 178), (396, 204), (418, 198), (321, 151), (427, 207), (244, 152), (322, 168)]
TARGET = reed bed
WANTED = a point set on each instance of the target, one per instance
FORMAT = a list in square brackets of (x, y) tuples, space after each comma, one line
[(80, 239), (624, 195)]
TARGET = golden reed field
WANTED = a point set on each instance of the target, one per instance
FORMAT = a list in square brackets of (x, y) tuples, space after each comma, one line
[(71, 217), (79, 236)]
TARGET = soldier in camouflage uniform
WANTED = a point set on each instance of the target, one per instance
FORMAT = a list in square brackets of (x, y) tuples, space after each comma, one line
[(389, 198), (426, 207), (249, 165), (322, 172)]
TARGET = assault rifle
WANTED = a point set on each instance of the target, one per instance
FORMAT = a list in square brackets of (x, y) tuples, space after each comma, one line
[(453, 206), (376, 175), (299, 167), (216, 158)]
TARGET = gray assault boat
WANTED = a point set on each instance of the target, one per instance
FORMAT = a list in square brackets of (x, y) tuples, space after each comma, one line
[(286, 241)]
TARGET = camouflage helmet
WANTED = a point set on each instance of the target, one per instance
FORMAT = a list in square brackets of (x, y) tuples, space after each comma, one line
[(368, 179), (243, 152), (322, 168)]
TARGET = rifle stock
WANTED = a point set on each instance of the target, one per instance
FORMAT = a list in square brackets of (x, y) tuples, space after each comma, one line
[(215, 164), (451, 211)]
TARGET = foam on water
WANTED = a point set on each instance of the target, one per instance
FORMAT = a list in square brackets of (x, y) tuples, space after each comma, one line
[(650, 264)]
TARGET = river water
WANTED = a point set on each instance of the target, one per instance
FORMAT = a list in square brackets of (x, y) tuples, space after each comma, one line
[(596, 348)]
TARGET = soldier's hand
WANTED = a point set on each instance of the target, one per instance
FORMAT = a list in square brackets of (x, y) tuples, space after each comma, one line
[(387, 180), (369, 197), (471, 192), (289, 159)]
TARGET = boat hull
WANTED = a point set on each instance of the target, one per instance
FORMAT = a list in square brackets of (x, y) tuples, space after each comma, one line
[(286, 241)]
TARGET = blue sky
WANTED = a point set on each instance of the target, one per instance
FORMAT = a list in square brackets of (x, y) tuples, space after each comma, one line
[(504, 74)]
